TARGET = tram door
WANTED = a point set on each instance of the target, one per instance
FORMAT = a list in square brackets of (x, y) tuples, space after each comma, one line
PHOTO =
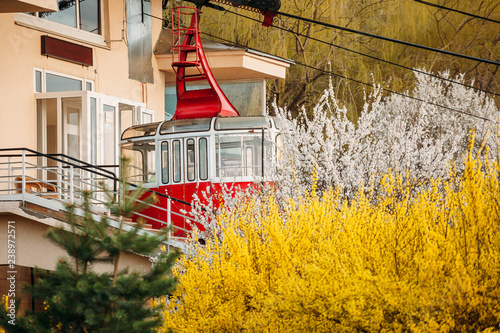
[(184, 163), (171, 183), (184, 173)]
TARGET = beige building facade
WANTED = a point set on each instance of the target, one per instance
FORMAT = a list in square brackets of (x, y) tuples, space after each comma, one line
[(57, 98)]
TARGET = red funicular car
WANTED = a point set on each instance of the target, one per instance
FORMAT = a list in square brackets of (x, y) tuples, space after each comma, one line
[(206, 145)]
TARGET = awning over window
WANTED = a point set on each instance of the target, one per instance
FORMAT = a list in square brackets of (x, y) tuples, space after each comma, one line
[(226, 62), (26, 6)]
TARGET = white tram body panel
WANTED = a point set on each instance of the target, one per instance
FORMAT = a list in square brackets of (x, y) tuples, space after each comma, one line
[(183, 158)]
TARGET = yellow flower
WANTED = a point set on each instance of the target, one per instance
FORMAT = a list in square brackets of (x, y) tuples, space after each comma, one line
[(403, 261)]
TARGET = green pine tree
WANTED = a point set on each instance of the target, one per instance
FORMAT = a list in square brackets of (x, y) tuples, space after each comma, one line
[(80, 300)]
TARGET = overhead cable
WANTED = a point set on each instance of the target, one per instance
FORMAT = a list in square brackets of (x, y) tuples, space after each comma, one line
[(457, 11), (354, 80), (369, 56), (367, 84), (428, 48)]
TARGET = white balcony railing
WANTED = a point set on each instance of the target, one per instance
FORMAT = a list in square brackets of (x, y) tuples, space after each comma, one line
[(52, 181)]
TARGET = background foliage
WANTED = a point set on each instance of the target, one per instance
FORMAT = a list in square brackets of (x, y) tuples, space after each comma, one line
[(405, 20)]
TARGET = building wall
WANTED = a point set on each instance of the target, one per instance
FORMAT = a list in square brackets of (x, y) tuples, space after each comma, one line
[(21, 53), (30, 248), (33, 249)]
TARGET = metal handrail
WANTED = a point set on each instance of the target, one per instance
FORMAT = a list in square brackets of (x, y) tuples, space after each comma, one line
[(70, 180), (54, 156), (111, 177)]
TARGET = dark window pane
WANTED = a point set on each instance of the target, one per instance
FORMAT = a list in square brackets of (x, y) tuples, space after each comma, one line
[(203, 152), (164, 162), (89, 16), (191, 169), (176, 160), (66, 14), (61, 83)]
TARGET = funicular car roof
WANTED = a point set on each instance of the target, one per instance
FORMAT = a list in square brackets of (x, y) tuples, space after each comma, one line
[(197, 125)]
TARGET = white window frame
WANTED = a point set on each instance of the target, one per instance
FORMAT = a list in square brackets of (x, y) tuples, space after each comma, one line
[(37, 23), (43, 86), (85, 141), (141, 111)]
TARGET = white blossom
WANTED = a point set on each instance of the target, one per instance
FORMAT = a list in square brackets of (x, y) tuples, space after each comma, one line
[(414, 136), (393, 134)]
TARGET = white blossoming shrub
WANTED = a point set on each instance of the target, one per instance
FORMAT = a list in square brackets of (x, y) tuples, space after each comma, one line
[(393, 133)]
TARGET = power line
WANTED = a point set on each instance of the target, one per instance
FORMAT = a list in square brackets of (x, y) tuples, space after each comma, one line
[(367, 84), (354, 80), (398, 93), (428, 48), (369, 56), (457, 11)]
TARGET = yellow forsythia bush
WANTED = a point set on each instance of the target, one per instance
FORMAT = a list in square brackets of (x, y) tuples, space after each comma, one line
[(4, 302), (428, 262)]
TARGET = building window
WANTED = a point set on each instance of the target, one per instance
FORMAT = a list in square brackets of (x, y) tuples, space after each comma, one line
[(247, 97), (80, 14), (38, 81), (110, 144), (79, 20), (46, 81), (61, 83)]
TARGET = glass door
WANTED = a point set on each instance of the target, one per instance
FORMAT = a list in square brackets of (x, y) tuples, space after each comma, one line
[(71, 126), (84, 125), (47, 135), (59, 129), (109, 140)]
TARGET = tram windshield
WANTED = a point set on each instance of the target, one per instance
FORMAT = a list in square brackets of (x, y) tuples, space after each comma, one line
[(140, 131), (241, 155), (241, 123), (141, 157)]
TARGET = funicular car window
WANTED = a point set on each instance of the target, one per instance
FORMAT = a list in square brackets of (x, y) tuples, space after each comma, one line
[(141, 156), (140, 131), (190, 160), (242, 123), (188, 125), (164, 162), (176, 161), (203, 158), (238, 155)]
